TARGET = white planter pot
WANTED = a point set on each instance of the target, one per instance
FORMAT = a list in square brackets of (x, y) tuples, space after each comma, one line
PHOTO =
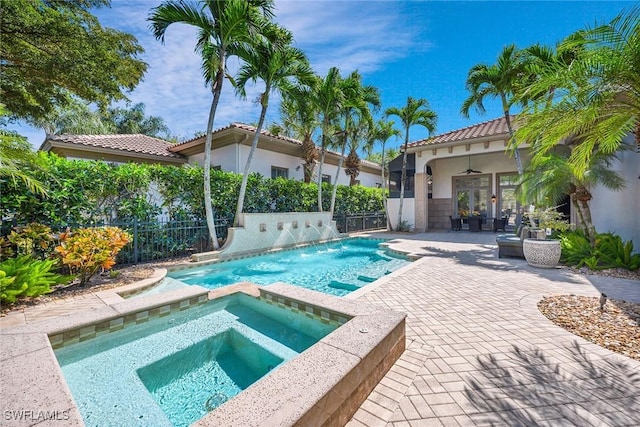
[(541, 253)]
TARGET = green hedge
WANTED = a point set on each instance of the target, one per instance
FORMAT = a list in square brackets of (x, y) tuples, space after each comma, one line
[(84, 191)]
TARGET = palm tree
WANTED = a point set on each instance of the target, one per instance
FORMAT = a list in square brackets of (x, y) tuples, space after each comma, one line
[(17, 160), (274, 61), (72, 117), (503, 80), (352, 162), (415, 113), (221, 24), (596, 97), (550, 177), (356, 113), (299, 121), (327, 98), (382, 131)]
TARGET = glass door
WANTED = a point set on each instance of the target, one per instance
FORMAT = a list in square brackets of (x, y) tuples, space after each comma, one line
[(508, 205), (472, 196)]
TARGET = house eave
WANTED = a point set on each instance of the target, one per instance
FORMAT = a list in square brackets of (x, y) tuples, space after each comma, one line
[(480, 140), (107, 154)]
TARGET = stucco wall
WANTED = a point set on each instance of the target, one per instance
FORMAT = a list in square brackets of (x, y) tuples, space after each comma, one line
[(408, 212), (619, 211), (264, 159), (260, 231)]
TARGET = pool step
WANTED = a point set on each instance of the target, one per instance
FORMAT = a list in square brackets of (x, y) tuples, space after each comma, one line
[(341, 285)]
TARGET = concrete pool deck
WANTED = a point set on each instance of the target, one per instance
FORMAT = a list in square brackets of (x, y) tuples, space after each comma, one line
[(478, 351)]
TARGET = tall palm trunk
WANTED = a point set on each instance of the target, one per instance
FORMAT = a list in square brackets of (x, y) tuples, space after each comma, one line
[(335, 184), (323, 150), (403, 176), (384, 190), (516, 152), (309, 155), (216, 89), (580, 198), (247, 166)]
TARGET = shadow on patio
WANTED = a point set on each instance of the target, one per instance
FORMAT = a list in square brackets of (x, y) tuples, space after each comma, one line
[(568, 386)]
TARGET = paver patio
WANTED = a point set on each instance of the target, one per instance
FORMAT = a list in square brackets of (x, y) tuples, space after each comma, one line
[(478, 350)]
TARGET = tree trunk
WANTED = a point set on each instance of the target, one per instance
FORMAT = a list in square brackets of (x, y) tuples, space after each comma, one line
[(516, 152), (309, 155), (320, 172), (335, 184), (403, 177), (384, 191), (247, 166), (216, 88)]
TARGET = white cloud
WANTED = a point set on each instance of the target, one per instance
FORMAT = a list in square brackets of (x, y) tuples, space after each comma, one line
[(350, 35)]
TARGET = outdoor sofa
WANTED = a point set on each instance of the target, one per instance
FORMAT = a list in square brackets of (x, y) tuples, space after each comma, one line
[(510, 245)]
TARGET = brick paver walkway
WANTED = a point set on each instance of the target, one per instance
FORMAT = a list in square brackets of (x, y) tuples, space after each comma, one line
[(480, 353)]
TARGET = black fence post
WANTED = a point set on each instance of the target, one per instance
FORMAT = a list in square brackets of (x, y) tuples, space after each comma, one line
[(346, 223), (364, 221), (135, 240)]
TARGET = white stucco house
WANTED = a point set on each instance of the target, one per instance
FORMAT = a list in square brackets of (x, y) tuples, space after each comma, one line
[(275, 155), (468, 169)]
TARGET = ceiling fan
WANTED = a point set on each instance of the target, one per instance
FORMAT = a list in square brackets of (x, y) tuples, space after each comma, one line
[(469, 170)]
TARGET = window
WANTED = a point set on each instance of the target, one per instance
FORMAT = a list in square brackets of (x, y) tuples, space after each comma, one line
[(357, 182), (394, 184), (217, 168), (326, 178), (277, 172)]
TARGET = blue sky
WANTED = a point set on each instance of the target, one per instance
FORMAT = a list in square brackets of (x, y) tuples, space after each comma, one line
[(422, 49)]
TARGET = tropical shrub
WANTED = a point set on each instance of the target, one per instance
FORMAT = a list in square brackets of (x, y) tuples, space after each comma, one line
[(610, 251), (27, 277), (34, 240), (87, 192), (87, 250), (576, 248)]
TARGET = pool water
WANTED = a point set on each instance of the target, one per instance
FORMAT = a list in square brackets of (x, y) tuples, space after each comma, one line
[(335, 268), (172, 370)]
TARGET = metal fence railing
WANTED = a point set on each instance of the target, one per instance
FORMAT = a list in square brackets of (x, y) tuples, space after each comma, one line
[(165, 239), (157, 240), (347, 223)]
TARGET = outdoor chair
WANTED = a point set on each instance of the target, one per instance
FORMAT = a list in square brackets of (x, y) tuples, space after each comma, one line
[(500, 224), (456, 223)]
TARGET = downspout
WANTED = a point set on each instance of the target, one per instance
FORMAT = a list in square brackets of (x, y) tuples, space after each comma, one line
[(239, 153), (426, 202)]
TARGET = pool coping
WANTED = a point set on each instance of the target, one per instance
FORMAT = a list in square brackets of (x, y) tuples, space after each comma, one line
[(340, 370)]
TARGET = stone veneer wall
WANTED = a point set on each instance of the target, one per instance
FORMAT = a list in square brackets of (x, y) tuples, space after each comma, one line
[(264, 231), (421, 190), (439, 211)]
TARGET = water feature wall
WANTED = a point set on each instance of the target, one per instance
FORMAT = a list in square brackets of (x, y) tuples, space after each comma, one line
[(264, 231)]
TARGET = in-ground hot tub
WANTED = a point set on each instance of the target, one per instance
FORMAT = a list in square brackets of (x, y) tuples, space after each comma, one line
[(174, 369), (323, 385)]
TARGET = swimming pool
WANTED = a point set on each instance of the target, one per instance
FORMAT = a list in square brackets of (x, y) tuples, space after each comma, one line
[(173, 370), (335, 268)]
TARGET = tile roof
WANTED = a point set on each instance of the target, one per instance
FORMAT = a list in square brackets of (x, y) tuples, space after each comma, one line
[(250, 128), (490, 128), (131, 143), (245, 127)]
